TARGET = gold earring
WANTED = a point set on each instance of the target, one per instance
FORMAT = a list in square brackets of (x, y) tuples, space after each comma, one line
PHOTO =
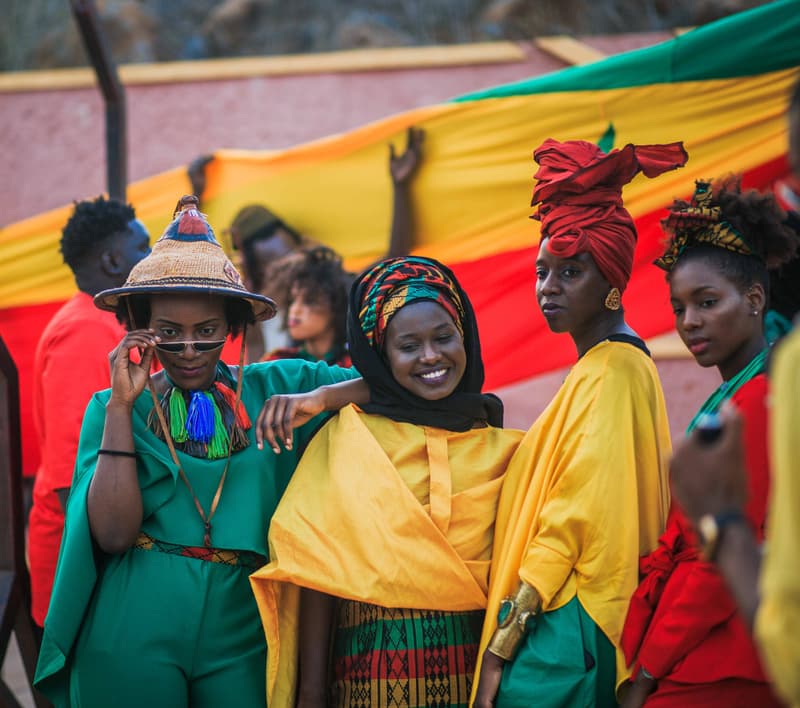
[(613, 299)]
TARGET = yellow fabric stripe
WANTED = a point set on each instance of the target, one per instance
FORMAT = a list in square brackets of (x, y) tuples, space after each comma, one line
[(471, 195)]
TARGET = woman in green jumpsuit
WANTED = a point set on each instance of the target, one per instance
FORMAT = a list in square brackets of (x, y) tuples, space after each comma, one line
[(170, 504)]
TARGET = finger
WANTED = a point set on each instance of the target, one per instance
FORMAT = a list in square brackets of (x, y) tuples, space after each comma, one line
[(141, 342), (143, 331), (260, 426), (264, 424), (419, 138), (392, 153), (268, 426), (286, 426), (410, 138), (282, 410), (147, 359)]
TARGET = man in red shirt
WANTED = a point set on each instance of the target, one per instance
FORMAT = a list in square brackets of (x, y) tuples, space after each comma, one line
[(100, 243)]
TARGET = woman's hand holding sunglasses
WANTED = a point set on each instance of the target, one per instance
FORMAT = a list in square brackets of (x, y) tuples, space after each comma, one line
[(128, 378)]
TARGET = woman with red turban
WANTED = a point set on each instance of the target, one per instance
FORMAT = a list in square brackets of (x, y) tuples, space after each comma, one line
[(586, 493)]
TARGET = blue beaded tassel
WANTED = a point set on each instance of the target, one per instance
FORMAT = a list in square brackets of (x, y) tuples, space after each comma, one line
[(200, 418)]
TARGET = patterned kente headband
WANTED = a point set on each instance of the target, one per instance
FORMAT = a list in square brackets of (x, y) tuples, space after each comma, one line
[(697, 224), (391, 285)]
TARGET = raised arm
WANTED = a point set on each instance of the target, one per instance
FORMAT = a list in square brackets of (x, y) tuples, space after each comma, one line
[(115, 500), (196, 172), (402, 168)]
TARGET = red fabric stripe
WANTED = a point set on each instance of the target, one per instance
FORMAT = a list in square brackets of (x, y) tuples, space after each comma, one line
[(386, 665), (517, 344)]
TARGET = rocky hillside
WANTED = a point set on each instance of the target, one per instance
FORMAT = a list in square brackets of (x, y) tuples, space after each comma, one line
[(39, 34)]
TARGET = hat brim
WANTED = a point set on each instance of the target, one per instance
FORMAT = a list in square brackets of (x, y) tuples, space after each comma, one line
[(263, 307)]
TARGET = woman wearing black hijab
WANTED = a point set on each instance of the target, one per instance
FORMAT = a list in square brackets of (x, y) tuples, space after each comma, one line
[(381, 546)]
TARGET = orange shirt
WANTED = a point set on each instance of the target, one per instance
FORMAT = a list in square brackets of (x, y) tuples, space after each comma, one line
[(71, 363)]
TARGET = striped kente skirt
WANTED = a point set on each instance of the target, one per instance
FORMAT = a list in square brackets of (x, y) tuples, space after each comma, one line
[(401, 658)]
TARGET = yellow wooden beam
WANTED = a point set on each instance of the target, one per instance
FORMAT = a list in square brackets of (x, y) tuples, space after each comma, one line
[(245, 67), (569, 49)]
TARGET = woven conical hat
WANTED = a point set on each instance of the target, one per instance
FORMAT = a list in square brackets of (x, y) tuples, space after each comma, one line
[(187, 259)]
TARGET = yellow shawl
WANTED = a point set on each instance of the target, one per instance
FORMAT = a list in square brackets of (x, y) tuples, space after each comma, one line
[(778, 619), (586, 493), (393, 514)]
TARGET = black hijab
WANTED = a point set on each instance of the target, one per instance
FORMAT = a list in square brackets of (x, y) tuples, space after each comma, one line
[(462, 409)]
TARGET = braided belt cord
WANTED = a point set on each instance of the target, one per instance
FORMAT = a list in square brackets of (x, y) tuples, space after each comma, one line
[(245, 559)]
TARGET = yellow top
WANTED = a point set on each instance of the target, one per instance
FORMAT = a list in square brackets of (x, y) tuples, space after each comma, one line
[(778, 618), (393, 514), (587, 493)]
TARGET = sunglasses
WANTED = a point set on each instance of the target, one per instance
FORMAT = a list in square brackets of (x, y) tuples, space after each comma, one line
[(178, 347)]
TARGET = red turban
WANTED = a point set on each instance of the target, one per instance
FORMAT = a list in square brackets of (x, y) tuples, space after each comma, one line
[(579, 192)]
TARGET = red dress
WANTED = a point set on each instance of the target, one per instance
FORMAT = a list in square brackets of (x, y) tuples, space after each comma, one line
[(71, 363), (683, 626)]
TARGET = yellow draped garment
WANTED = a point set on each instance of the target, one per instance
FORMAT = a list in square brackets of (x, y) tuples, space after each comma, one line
[(392, 514), (778, 618), (587, 492)]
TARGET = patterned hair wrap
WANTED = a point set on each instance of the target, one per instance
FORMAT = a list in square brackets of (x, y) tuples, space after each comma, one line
[(579, 192), (699, 223), (391, 285), (376, 296)]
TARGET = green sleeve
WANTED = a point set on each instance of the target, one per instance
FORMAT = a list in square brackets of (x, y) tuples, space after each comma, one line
[(298, 376)]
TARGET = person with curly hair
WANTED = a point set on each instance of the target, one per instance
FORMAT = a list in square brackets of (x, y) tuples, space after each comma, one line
[(101, 242), (173, 492), (267, 244), (316, 318), (709, 480), (683, 636)]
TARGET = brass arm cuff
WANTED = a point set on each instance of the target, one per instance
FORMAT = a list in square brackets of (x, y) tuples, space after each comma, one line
[(515, 616)]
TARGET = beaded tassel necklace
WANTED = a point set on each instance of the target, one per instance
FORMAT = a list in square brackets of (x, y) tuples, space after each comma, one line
[(165, 428), (204, 423)]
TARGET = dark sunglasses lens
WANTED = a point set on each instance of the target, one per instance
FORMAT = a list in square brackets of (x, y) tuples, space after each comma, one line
[(171, 347), (178, 347), (207, 346)]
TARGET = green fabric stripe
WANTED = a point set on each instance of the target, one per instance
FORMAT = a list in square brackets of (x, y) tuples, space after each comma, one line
[(754, 42), (405, 630)]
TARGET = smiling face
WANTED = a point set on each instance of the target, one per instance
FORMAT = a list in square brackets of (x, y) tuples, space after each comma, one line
[(425, 350), (181, 318), (714, 317), (571, 291)]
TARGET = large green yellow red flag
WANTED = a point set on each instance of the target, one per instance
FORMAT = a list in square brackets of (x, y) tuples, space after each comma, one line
[(721, 88)]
